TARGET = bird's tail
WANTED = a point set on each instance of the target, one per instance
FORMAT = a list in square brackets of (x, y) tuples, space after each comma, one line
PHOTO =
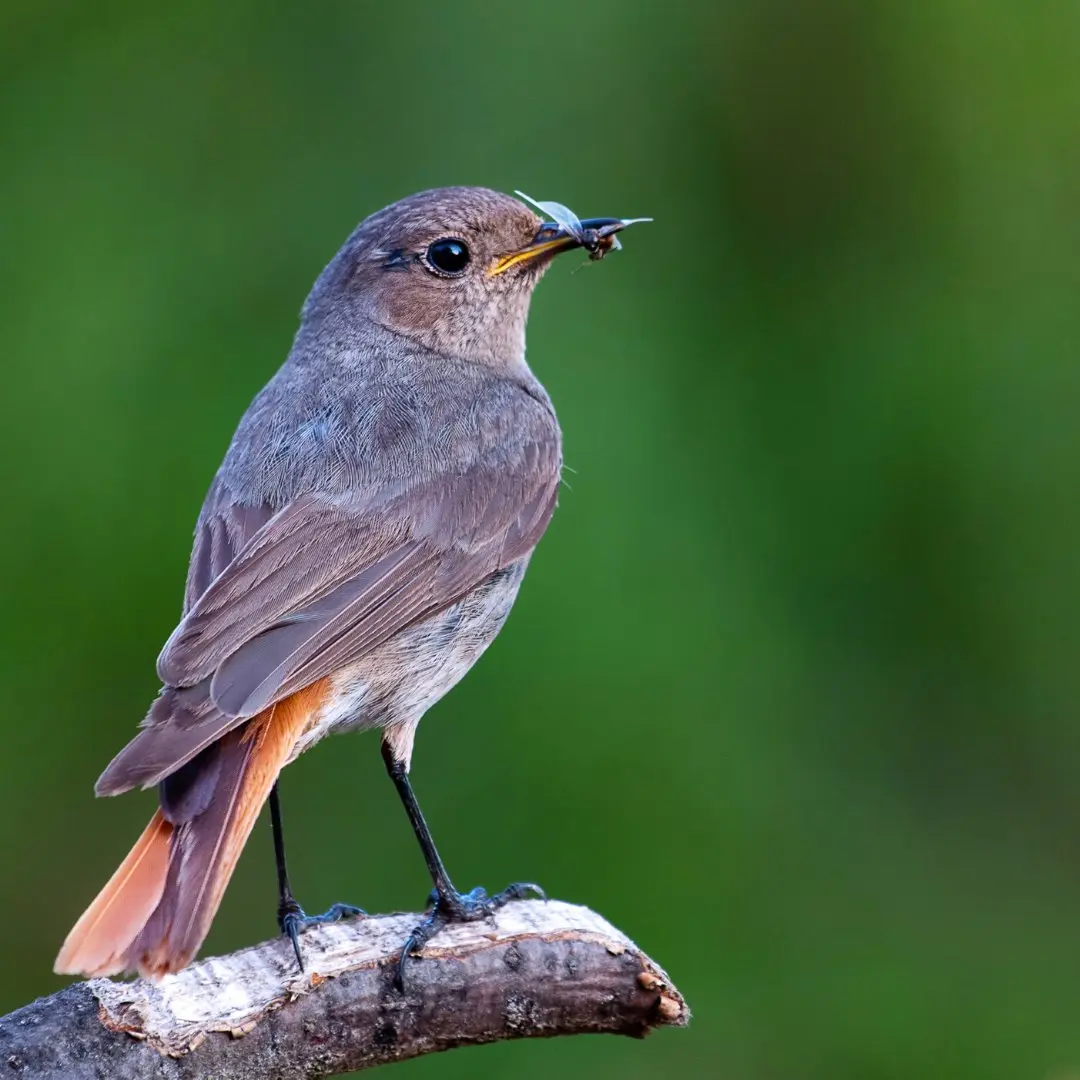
[(155, 911)]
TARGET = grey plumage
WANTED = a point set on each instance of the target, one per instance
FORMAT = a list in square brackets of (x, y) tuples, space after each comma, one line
[(394, 464), (359, 548)]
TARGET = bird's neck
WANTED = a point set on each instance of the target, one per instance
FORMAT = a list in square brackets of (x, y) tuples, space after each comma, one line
[(490, 337)]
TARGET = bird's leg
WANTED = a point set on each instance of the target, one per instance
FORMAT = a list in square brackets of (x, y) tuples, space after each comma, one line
[(447, 904), (290, 915)]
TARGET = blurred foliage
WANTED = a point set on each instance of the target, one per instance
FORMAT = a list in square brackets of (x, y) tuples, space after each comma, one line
[(789, 694)]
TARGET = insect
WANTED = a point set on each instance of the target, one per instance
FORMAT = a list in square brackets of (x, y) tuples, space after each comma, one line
[(595, 235)]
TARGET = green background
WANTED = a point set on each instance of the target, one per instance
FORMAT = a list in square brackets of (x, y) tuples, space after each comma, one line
[(790, 692)]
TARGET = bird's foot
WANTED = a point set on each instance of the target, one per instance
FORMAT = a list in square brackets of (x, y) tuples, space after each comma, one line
[(446, 908), (293, 921)]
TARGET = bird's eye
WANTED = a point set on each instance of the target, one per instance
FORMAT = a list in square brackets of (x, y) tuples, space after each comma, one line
[(448, 256)]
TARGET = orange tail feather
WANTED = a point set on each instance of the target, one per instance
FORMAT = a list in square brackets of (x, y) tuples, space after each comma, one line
[(157, 908), (99, 940)]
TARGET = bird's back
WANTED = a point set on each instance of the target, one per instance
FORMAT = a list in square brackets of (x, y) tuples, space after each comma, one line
[(373, 418), (379, 414)]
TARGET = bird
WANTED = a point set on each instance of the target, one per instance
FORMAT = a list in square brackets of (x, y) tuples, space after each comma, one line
[(359, 548)]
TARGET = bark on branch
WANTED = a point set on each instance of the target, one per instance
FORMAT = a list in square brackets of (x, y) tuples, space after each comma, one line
[(534, 969)]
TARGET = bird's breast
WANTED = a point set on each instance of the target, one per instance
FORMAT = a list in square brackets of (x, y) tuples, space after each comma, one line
[(399, 681)]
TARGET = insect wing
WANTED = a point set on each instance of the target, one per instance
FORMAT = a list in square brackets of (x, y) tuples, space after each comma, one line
[(618, 226), (561, 215)]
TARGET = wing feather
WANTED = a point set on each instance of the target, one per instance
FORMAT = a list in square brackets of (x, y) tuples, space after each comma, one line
[(291, 596)]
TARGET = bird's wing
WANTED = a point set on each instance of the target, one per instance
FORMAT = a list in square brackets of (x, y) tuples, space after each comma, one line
[(225, 527), (324, 581)]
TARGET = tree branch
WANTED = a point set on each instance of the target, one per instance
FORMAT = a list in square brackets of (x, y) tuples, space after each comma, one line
[(534, 969)]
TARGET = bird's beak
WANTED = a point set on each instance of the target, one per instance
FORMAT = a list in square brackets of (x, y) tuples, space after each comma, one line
[(552, 238)]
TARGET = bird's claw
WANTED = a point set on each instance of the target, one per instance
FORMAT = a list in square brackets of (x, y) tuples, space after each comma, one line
[(293, 921), (459, 907)]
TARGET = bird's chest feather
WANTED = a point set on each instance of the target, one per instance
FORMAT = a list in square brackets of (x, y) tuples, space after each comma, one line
[(400, 681)]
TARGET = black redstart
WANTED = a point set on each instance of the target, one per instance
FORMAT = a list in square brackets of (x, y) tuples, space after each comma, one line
[(360, 547)]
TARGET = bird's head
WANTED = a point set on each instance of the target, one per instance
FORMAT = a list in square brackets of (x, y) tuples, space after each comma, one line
[(452, 268)]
